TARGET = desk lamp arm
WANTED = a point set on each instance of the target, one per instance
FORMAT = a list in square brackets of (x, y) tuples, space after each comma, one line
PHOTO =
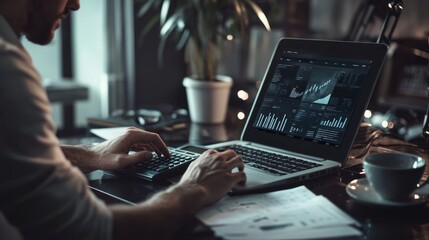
[(395, 9)]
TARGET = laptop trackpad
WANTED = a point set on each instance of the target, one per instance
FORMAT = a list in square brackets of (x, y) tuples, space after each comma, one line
[(255, 178)]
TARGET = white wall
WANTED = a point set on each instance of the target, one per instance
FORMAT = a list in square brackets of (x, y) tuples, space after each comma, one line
[(90, 54)]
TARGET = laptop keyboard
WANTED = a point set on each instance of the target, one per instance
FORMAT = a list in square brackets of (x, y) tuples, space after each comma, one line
[(276, 164), (160, 168)]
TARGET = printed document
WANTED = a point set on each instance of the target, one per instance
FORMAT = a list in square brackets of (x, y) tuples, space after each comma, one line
[(289, 214)]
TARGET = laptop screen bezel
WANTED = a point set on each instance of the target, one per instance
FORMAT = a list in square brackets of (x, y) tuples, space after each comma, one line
[(373, 52)]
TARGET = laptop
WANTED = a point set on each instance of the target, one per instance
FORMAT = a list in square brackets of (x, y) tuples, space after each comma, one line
[(307, 111), (304, 118)]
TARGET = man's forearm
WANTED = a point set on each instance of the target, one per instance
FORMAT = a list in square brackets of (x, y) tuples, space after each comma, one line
[(159, 217), (80, 156)]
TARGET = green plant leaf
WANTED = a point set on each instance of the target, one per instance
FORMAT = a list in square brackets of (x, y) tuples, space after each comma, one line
[(161, 50), (152, 22), (183, 40), (164, 11), (171, 23), (260, 14), (145, 8), (242, 17), (201, 24)]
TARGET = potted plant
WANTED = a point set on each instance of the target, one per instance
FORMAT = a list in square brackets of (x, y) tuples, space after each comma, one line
[(200, 26)]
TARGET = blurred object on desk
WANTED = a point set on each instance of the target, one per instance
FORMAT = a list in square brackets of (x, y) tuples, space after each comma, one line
[(406, 75), (172, 126), (380, 141), (404, 123), (148, 119), (399, 104)]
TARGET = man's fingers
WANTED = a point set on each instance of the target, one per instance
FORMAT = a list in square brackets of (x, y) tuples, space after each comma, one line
[(228, 154), (156, 150), (239, 177), (135, 158), (139, 136), (235, 162), (142, 147), (150, 147), (209, 152)]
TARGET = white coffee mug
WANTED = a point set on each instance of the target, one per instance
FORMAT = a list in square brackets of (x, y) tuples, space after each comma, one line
[(394, 176)]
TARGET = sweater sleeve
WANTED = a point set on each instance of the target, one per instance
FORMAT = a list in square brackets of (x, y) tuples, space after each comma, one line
[(41, 194)]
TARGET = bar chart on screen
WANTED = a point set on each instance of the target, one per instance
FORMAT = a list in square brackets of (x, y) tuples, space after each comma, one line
[(272, 121), (295, 129), (335, 123)]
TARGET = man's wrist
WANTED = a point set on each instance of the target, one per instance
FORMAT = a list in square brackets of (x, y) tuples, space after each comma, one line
[(191, 197), (81, 156)]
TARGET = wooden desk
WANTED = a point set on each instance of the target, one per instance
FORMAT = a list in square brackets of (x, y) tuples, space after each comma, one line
[(377, 222)]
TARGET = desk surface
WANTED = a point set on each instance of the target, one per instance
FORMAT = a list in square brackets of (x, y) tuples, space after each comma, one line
[(378, 222)]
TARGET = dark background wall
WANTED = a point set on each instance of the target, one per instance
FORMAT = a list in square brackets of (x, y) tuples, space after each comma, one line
[(329, 19), (157, 85)]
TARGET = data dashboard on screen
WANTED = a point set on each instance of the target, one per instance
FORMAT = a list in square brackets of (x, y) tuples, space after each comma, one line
[(311, 97)]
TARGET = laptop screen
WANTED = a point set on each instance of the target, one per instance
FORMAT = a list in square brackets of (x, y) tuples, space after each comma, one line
[(311, 97)]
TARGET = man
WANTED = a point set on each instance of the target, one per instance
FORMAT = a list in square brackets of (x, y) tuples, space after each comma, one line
[(42, 195)]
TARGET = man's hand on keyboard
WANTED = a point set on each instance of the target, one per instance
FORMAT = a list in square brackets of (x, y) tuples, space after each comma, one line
[(113, 154), (213, 171)]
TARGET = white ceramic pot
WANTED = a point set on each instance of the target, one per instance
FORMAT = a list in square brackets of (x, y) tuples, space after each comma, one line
[(208, 100)]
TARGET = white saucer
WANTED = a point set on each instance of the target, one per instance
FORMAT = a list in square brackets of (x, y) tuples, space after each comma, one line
[(361, 191)]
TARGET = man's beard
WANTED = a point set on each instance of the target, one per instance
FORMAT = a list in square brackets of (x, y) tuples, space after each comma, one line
[(38, 29)]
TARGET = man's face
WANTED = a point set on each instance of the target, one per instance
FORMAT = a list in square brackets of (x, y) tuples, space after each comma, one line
[(44, 17)]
